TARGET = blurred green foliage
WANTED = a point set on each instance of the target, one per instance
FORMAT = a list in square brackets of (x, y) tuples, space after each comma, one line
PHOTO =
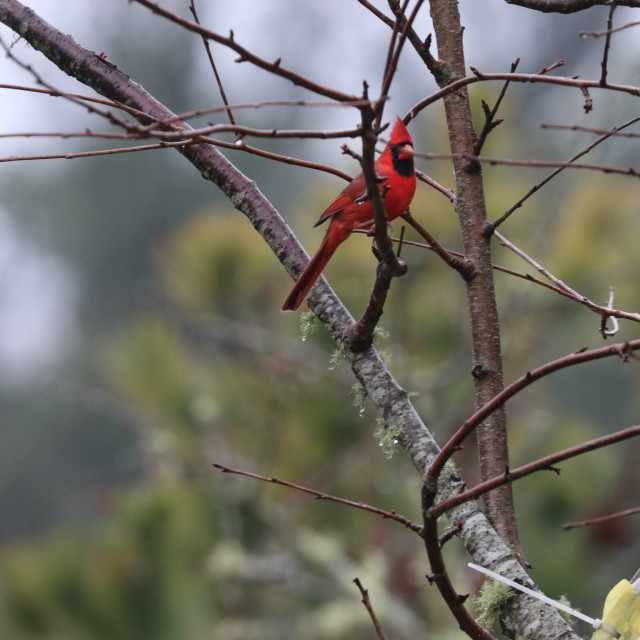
[(214, 372)]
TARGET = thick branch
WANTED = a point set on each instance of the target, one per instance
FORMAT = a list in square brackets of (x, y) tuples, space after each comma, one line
[(485, 326)]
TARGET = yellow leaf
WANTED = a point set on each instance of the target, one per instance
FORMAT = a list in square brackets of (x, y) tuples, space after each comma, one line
[(621, 612)]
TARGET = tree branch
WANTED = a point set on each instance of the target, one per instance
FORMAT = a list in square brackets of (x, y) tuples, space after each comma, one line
[(621, 349), (320, 495), (485, 326), (568, 6), (246, 55), (546, 463)]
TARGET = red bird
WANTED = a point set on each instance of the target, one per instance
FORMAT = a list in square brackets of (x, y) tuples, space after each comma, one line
[(350, 210)]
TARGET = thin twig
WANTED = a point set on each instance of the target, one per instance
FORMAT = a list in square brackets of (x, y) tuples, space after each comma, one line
[(569, 163), (377, 13), (71, 97), (391, 515), (526, 78), (536, 164), (395, 48), (607, 44), (614, 133), (600, 519), (490, 123), (605, 311), (621, 349), (547, 463), (598, 34), (448, 193), (245, 55), (207, 46), (447, 256), (367, 603), (101, 152), (568, 6)]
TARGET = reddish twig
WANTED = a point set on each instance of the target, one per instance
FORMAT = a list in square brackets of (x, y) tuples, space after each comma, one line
[(526, 78), (447, 256), (559, 164), (547, 463), (389, 68), (604, 311), (448, 193), (71, 97), (607, 44), (599, 519), (324, 104), (599, 34), (101, 152), (214, 68), (367, 603), (440, 577), (490, 123), (377, 13), (621, 349), (568, 6), (270, 155), (245, 55), (360, 336), (450, 534), (391, 515), (54, 93), (238, 146), (613, 133), (246, 131), (569, 163), (401, 28)]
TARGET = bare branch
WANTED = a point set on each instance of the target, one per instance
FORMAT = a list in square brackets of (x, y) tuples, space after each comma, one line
[(403, 25), (569, 163), (100, 152), (560, 164), (613, 133), (600, 519), (543, 464), (376, 12), (390, 515), (490, 122), (607, 43), (214, 68), (361, 334), (440, 577), (568, 6), (372, 614), (605, 311), (621, 349), (447, 256), (598, 34), (532, 78), (275, 68)]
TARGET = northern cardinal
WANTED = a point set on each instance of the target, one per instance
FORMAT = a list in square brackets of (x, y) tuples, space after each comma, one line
[(350, 210)]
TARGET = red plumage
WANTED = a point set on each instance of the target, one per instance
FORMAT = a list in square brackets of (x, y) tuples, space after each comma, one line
[(348, 211)]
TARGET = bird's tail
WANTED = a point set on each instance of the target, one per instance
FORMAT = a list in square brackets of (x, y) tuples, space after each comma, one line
[(334, 238)]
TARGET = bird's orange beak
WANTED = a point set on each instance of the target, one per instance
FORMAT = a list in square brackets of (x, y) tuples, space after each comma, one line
[(405, 151)]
